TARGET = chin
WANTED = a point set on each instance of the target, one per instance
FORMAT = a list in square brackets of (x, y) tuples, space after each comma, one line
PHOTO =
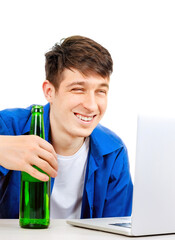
[(84, 133)]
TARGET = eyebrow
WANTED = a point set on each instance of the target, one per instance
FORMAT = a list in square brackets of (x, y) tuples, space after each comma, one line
[(84, 83)]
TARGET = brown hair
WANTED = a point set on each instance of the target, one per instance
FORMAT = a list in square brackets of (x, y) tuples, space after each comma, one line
[(81, 53)]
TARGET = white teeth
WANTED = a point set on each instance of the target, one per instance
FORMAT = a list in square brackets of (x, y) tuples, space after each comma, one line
[(84, 118)]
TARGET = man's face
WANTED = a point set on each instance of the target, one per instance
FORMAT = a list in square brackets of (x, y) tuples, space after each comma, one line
[(79, 103)]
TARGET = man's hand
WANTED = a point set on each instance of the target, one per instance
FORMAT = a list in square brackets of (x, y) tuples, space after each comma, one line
[(23, 152)]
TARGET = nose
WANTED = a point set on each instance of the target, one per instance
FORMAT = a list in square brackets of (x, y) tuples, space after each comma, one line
[(90, 102)]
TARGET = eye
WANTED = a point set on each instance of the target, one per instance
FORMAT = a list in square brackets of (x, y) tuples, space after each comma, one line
[(78, 90), (102, 92)]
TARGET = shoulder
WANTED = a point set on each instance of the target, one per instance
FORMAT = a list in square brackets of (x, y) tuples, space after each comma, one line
[(15, 113), (14, 119), (106, 140)]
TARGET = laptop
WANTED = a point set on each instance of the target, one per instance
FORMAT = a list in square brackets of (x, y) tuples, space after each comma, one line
[(153, 209)]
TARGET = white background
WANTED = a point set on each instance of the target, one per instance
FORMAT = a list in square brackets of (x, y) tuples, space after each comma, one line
[(140, 36)]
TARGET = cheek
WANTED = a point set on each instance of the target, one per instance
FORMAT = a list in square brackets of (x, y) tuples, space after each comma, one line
[(68, 101), (74, 100), (102, 106)]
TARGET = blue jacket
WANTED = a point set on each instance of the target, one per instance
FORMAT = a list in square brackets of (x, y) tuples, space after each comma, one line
[(108, 187)]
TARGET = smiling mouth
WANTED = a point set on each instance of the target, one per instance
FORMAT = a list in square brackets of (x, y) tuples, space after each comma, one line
[(84, 118)]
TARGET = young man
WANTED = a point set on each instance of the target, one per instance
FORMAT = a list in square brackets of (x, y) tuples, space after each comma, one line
[(87, 162)]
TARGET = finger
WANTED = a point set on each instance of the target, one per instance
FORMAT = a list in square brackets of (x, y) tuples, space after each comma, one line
[(48, 147), (36, 174), (45, 166), (48, 157)]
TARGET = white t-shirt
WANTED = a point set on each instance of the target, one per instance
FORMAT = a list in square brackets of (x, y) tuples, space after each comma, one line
[(68, 187)]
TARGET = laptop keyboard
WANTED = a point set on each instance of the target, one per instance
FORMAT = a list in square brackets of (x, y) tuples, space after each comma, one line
[(126, 225)]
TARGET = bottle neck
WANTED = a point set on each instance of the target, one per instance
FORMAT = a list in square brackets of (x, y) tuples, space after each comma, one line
[(37, 124)]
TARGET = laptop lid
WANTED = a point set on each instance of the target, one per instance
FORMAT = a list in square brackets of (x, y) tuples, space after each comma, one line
[(154, 186)]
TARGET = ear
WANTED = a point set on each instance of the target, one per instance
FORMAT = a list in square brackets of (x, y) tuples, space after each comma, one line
[(48, 90)]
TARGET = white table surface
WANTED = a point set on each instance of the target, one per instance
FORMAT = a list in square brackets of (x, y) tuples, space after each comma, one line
[(60, 230)]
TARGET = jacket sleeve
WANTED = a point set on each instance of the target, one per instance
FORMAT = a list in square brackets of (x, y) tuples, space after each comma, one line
[(3, 131), (118, 201)]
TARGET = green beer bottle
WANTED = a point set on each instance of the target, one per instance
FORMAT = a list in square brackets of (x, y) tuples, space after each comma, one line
[(35, 194)]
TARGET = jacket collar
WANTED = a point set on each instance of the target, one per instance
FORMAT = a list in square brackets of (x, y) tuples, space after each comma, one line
[(104, 141), (47, 121)]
